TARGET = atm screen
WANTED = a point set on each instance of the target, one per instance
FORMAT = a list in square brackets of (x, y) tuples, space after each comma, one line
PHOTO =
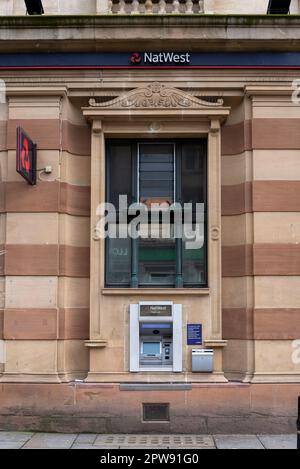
[(151, 348)]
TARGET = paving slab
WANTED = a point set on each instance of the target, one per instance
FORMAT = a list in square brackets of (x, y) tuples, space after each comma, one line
[(51, 441), (191, 448), (146, 448), (86, 446), (86, 438), (11, 445), (15, 436), (237, 442), (279, 441)]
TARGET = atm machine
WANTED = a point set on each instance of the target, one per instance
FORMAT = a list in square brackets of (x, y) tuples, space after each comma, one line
[(156, 344), (155, 337)]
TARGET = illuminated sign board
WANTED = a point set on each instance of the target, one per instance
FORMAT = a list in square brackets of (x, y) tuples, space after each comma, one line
[(26, 157)]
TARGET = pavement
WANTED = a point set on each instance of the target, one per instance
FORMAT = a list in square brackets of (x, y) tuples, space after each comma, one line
[(27, 440)]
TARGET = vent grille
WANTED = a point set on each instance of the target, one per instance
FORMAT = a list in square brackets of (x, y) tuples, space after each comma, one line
[(154, 441), (156, 412)]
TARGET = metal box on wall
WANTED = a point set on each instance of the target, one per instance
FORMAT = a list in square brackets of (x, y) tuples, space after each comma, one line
[(202, 361)]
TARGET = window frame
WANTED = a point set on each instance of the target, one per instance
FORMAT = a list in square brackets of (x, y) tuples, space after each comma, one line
[(179, 248)]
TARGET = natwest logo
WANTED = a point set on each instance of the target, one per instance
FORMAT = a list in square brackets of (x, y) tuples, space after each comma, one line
[(161, 58), (136, 58)]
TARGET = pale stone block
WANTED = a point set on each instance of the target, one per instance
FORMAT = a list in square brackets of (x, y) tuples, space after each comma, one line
[(3, 166), (2, 353), (74, 292), (111, 359), (277, 292), (276, 165), (2, 292), (31, 292), (6, 7), (32, 228), (2, 228), (74, 231), (76, 169), (73, 356), (277, 227), (76, 6), (276, 357), (270, 107), (34, 108), (102, 6), (28, 356)]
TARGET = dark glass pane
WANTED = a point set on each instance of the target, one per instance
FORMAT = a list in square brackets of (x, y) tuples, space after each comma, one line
[(118, 269), (194, 266), (120, 171), (157, 262), (193, 177), (193, 190), (156, 172)]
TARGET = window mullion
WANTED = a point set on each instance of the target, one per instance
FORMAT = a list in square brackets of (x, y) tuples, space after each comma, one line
[(134, 263), (178, 245), (134, 242)]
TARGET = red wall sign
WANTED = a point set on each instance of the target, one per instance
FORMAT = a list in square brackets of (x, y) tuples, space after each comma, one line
[(26, 157)]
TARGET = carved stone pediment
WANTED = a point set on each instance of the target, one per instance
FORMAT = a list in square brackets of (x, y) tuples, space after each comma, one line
[(156, 96)]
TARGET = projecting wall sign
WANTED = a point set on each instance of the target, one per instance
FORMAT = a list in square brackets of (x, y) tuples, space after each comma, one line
[(26, 157)]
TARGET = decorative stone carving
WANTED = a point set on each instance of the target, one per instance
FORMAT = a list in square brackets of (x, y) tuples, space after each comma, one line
[(215, 233), (156, 96)]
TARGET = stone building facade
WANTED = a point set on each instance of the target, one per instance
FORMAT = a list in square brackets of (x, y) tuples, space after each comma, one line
[(84, 91)]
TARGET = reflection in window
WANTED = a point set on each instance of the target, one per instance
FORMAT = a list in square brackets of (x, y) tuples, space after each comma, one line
[(157, 261), (118, 260)]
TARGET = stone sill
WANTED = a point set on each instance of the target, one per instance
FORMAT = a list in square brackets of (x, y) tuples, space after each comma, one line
[(155, 292)]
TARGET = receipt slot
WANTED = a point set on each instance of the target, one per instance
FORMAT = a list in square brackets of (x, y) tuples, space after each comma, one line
[(155, 337)]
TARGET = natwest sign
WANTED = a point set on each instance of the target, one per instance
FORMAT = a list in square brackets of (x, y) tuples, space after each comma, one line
[(26, 157), (160, 58)]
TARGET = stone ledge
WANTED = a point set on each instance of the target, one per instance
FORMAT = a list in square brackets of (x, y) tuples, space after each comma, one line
[(152, 32), (156, 387), (162, 20)]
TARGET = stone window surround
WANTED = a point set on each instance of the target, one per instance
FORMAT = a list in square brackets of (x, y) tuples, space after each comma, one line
[(132, 116)]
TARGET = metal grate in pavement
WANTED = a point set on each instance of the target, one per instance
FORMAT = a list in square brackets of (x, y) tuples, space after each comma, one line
[(152, 441)]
